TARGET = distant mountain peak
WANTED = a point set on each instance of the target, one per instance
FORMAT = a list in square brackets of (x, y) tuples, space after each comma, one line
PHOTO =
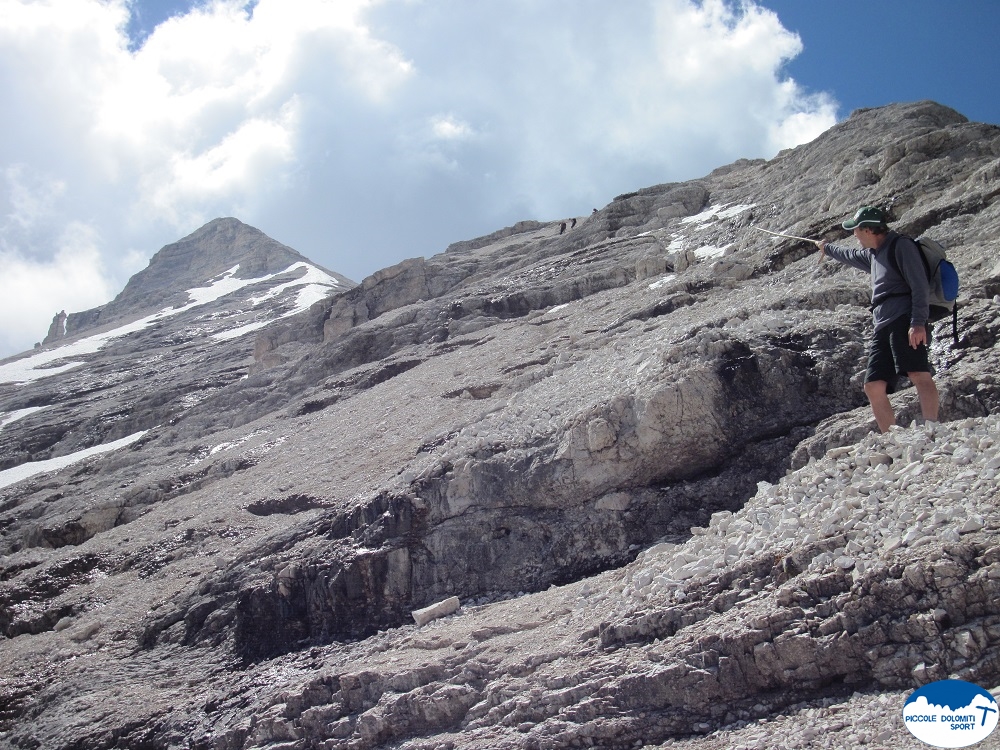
[(221, 246), (209, 251)]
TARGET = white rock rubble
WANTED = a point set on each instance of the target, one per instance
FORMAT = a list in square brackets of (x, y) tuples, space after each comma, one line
[(906, 488)]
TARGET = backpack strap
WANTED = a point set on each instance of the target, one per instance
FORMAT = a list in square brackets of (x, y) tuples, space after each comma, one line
[(894, 262)]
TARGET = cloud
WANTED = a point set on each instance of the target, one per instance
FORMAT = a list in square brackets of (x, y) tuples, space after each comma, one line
[(448, 128), (572, 102), (30, 197), (362, 132), (73, 279)]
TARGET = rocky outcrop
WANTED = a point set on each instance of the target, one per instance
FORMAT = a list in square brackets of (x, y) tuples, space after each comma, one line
[(57, 329), (635, 451)]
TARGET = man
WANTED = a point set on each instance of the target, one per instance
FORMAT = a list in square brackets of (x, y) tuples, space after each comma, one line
[(900, 311)]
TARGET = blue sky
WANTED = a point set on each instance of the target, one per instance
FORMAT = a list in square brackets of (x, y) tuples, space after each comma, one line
[(364, 132), (868, 53)]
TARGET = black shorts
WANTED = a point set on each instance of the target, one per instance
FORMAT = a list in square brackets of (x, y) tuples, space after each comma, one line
[(890, 354)]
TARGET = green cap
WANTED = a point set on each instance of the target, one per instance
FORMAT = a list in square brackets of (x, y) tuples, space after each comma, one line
[(866, 216)]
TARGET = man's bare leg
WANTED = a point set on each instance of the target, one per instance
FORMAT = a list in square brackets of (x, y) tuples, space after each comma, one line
[(927, 393), (881, 408)]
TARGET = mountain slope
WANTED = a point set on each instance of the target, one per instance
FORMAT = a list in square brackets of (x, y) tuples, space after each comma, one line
[(140, 364), (532, 422)]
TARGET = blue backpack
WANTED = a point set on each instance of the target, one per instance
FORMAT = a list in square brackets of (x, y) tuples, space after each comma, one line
[(942, 278)]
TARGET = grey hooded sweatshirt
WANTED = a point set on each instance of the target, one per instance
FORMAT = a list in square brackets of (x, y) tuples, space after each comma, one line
[(909, 290)]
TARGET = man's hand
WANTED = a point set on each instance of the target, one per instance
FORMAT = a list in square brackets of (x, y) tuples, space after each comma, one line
[(821, 244), (918, 336)]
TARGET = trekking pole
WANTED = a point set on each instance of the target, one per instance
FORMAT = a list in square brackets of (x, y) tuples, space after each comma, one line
[(786, 236)]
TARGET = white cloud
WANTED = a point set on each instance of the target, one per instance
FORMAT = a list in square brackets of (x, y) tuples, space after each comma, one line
[(34, 290), (233, 170), (209, 108), (361, 132), (448, 128), (30, 196)]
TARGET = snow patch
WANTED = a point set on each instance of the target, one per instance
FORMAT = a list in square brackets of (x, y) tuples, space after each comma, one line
[(16, 474), (13, 416), (218, 287), (710, 251), (225, 446), (313, 276), (663, 282), (717, 212), (315, 284)]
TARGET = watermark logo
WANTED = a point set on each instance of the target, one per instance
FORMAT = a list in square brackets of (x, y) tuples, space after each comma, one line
[(951, 713)]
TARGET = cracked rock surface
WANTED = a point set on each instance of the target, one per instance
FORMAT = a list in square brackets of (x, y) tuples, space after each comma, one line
[(637, 454)]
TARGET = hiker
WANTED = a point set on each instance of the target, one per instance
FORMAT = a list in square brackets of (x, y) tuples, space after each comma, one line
[(902, 335), (562, 228)]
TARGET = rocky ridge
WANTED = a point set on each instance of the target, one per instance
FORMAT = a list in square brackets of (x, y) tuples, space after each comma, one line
[(532, 422)]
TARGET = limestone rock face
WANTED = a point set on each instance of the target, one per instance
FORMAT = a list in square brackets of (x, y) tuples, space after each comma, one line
[(632, 458), (57, 329)]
